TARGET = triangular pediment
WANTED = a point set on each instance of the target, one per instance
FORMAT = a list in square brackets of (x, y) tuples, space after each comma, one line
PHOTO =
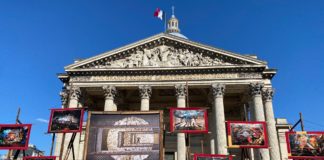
[(163, 50)]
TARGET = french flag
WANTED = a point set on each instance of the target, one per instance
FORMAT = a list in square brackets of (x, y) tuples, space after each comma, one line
[(159, 14)]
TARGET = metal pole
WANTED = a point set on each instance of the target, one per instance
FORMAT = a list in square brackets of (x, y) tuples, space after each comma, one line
[(301, 121), (17, 117), (52, 146), (202, 145)]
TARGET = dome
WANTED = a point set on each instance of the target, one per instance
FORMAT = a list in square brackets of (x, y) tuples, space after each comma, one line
[(173, 26), (178, 35)]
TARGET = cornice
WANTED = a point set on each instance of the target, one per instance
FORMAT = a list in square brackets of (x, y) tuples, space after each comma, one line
[(167, 70)]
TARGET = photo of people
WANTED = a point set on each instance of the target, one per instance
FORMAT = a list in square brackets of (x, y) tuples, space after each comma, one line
[(65, 120), (188, 120), (247, 134), (14, 136), (305, 144)]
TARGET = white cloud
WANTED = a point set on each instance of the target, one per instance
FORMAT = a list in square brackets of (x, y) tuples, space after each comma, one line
[(42, 120)]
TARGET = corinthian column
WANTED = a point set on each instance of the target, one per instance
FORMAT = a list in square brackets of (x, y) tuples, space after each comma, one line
[(271, 124), (219, 131), (255, 91), (75, 94), (110, 93), (181, 93), (64, 94), (145, 93)]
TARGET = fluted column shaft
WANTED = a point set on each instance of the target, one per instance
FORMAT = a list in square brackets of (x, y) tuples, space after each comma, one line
[(219, 131), (181, 93), (257, 104), (271, 124), (110, 93), (145, 93)]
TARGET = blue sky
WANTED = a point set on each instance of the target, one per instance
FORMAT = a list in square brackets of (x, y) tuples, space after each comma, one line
[(38, 38)]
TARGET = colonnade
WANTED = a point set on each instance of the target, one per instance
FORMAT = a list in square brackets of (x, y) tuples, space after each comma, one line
[(260, 104)]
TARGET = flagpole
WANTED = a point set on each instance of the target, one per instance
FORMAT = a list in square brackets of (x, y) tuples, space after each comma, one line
[(165, 27)]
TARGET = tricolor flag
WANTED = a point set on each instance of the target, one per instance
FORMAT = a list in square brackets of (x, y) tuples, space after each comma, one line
[(159, 14)]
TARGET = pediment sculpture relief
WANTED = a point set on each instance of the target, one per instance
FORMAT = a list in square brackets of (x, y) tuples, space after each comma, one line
[(163, 56)]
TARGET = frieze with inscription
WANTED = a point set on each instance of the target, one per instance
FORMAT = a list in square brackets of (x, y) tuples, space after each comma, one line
[(164, 77)]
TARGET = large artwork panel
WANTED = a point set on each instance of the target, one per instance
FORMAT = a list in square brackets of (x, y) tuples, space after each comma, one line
[(14, 136), (188, 120), (124, 135), (305, 145), (243, 134)]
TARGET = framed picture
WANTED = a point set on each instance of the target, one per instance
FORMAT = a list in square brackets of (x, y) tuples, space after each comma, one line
[(66, 120), (305, 145), (242, 134), (124, 135), (40, 158), (212, 157), (188, 120), (14, 136)]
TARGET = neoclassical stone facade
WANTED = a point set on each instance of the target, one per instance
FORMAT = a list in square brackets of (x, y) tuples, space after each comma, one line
[(160, 72)]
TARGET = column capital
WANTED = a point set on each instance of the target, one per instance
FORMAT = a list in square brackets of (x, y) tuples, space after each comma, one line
[(256, 89), (109, 91), (267, 94), (64, 94), (75, 93), (145, 91), (181, 90), (218, 89)]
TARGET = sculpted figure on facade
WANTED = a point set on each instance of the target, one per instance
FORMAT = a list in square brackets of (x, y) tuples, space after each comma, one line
[(163, 56)]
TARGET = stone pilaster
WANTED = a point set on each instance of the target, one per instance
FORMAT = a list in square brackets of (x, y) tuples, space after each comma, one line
[(219, 131), (181, 93), (145, 93), (271, 123), (257, 104), (110, 94)]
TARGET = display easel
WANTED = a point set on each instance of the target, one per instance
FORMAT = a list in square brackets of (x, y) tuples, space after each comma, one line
[(301, 121), (18, 151), (70, 147), (52, 145)]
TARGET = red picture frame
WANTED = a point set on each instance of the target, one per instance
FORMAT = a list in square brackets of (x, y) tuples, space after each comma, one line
[(40, 158), (201, 116), (63, 120), (252, 134), (308, 144), (12, 133), (196, 156)]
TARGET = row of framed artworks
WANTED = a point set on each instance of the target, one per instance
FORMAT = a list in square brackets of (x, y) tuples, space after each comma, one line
[(141, 125)]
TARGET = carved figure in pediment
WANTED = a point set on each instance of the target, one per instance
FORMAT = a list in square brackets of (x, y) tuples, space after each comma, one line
[(162, 56), (146, 56)]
